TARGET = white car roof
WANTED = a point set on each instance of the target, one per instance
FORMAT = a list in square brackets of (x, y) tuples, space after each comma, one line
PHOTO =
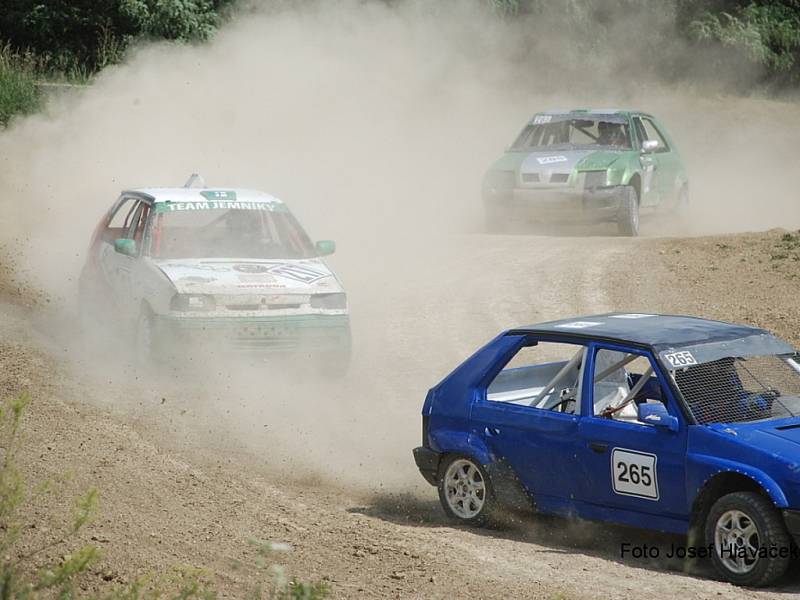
[(182, 194)]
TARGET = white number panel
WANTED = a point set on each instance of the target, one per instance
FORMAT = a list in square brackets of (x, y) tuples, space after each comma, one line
[(680, 359), (634, 473)]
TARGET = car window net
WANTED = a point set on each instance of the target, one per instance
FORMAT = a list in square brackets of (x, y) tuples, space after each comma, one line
[(740, 390)]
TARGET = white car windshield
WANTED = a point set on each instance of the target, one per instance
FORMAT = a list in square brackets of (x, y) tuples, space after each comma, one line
[(259, 231), (567, 132)]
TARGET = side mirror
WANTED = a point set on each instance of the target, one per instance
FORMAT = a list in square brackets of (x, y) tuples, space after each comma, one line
[(650, 146), (656, 414), (125, 246), (325, 247)]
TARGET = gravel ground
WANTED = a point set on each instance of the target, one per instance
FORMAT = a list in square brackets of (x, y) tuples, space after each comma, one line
[(189, 483)]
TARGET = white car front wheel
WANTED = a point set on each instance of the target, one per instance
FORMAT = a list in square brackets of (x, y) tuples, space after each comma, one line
[(145, 337)]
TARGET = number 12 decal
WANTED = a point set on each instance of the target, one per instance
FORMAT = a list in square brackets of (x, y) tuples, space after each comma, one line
[(634, 473)]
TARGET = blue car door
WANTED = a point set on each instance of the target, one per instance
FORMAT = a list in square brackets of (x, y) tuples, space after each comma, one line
[(538, 442), (630, 467)]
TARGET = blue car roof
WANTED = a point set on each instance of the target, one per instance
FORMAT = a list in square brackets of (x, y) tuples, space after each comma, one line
[(657, 331)]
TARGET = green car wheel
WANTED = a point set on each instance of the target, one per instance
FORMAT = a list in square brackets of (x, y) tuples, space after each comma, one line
[(628, 214)]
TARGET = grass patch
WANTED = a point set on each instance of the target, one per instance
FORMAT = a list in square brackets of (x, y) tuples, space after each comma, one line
[(61, 577), (785, 254), (790, 240), (787, 247), (25, 78), (19, 94)]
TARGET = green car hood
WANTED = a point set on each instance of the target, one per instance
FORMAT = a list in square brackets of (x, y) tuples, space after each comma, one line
[(599, 160), (560, 160)]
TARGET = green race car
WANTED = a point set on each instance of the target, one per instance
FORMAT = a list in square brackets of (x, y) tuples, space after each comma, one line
[(586, 165)]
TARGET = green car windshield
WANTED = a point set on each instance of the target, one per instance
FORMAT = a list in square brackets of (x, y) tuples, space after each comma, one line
[(567, 132), (255, 233)]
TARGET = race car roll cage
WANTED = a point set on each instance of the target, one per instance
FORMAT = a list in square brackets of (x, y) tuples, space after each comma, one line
[(586, 342), (577, 361), (753, 345)]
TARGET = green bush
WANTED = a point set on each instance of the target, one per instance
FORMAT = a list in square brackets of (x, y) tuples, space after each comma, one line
[(90, 34), (767, 33), (18, 92), (185, 20), (83, 36)]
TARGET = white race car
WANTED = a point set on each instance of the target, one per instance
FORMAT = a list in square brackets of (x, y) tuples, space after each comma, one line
[(228, 266)]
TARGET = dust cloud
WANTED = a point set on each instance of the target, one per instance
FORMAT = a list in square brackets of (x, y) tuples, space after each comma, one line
[(375, 124)]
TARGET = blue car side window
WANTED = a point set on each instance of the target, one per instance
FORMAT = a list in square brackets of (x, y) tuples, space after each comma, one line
[(621, 382), (543, 375)]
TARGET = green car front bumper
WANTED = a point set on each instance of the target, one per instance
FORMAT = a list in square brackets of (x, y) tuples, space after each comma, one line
[(556, 205)]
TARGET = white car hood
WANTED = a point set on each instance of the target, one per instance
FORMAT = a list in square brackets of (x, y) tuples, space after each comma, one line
[(248, 276)]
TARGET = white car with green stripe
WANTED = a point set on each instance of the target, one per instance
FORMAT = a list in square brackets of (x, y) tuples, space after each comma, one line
[(229, 266)]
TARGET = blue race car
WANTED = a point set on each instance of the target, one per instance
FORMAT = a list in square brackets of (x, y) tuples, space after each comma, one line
[(676, 424)]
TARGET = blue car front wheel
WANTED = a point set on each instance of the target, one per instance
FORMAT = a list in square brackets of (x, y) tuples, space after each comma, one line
[(750, 541), (465, 491)]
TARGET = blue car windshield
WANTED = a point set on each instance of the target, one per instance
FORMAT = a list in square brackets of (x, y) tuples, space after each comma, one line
[(741, 389)]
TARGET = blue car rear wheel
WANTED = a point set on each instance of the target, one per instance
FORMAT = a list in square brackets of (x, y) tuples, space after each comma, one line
[(465, 491)]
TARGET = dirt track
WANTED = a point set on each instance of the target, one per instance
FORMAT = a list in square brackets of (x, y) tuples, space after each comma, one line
[(185, 481)]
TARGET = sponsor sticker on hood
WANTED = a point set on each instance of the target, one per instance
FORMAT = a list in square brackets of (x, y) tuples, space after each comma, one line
[(298, 272), (567, 160), (212, 277), (547, 160)]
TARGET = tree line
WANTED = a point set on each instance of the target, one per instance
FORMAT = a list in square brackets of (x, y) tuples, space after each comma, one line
[(736, 43)]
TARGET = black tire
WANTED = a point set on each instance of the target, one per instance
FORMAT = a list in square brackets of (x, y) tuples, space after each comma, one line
[(146, 346), (628, 212), (765, 523), (460, 506)]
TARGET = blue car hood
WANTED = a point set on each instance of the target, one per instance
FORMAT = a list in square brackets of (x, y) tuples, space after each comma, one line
[(781, 437)]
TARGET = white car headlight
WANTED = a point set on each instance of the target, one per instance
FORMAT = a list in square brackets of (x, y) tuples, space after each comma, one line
[(188, 302), (336, 301)]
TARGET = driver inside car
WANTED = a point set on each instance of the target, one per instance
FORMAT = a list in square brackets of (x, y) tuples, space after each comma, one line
[(611, 386), (610, 134), (731, 399), (246, 234)]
